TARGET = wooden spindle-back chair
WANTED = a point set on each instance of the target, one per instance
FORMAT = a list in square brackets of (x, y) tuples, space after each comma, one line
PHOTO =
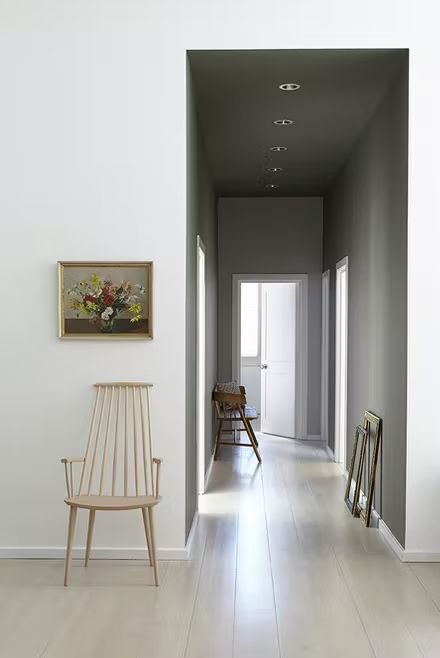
[(230, 407), (117, 469)]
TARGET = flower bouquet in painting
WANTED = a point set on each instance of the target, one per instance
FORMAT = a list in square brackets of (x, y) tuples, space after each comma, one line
[(101, 301)]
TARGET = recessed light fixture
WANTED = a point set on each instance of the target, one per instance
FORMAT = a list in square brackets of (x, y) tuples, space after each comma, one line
[(274, 169), (271, 186), (283, 122), (290, 86), (278, 149)]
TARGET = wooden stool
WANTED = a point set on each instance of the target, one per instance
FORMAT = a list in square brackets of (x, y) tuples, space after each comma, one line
[(231, 407)]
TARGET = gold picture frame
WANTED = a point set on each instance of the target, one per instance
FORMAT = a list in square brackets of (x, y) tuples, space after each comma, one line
[(356, 465), (373, 426), (105, 300)]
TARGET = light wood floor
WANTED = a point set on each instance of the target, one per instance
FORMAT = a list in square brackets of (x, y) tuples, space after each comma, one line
[(279, 569)]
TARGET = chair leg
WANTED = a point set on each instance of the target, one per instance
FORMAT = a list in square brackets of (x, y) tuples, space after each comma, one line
[(153, 546), (217, 439), (70, 535), (147, 535), (89, 536)]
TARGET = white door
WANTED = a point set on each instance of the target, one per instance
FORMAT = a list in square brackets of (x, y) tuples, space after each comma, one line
[(341, 312), (324, 354), (201, 365), (278, 338)]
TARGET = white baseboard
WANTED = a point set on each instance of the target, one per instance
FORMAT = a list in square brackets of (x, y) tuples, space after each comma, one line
[(190, 540), (330, 454), (313, 437), (403, 554), (420, 556), (208, 471), (100, 553), (391, 540)]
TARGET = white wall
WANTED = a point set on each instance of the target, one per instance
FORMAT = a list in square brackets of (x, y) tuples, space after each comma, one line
[(92, 164), (82, 169)]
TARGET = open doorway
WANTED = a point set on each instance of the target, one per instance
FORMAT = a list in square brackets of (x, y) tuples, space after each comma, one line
[(270, 347), (325, 324), (341, 311), (267, 358), (201, 364)]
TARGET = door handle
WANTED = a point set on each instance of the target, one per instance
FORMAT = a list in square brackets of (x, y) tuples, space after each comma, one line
[(263, 366)]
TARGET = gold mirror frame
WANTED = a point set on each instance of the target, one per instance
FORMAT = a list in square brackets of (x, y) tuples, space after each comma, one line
[(93, 335)]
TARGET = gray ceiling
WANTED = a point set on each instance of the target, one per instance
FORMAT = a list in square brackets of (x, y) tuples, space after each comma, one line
[(238, 98)]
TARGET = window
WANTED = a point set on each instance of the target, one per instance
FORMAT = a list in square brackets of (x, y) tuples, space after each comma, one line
[(250, 319)]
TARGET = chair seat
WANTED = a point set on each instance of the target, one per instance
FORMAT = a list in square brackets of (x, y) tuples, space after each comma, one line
[(112, 502)]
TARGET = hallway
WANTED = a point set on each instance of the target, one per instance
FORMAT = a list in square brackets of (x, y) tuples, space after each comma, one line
[(279, 569)]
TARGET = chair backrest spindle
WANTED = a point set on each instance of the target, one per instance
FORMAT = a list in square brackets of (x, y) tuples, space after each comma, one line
[(118, 460), (89, 440), (115, 443), (98, 432), (135, 444)]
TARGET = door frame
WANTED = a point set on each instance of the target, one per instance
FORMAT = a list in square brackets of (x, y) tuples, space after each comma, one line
[(201, 370), (340, 265), (301, 352), (325, 344)]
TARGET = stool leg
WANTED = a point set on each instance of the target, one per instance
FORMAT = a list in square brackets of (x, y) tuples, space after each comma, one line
[(250, 435), (253, 433)]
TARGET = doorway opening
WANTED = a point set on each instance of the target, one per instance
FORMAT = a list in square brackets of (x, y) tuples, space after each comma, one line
[(341, 349), (325, 324), (269, 337), (201, 364)]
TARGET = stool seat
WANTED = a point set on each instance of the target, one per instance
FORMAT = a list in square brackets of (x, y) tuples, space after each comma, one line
[(249, 412)]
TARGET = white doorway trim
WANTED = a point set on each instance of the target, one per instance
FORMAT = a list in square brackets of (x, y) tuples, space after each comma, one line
[(341, 359), (201, 364), (301, 378), (325, 325)]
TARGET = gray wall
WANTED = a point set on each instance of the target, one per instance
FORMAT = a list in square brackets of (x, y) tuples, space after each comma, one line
[(201, 220), (272, 236), (365, 218)]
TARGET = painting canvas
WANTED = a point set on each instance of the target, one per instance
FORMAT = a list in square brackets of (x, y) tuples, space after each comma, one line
[(105, 300)]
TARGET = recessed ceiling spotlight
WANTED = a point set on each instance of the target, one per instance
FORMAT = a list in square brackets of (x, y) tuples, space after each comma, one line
[(278, 149), (283, 122), (271, 186), (290, 86), (274, 169)]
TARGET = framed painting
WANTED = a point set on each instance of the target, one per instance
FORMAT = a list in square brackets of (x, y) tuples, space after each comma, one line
[(105, 300)]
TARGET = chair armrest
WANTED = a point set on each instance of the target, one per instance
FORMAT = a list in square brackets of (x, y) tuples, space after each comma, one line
[(158, 463), (68, 472)]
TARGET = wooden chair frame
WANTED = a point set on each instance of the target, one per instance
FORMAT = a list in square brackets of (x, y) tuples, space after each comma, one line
[(114, 398), (230, 408)]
